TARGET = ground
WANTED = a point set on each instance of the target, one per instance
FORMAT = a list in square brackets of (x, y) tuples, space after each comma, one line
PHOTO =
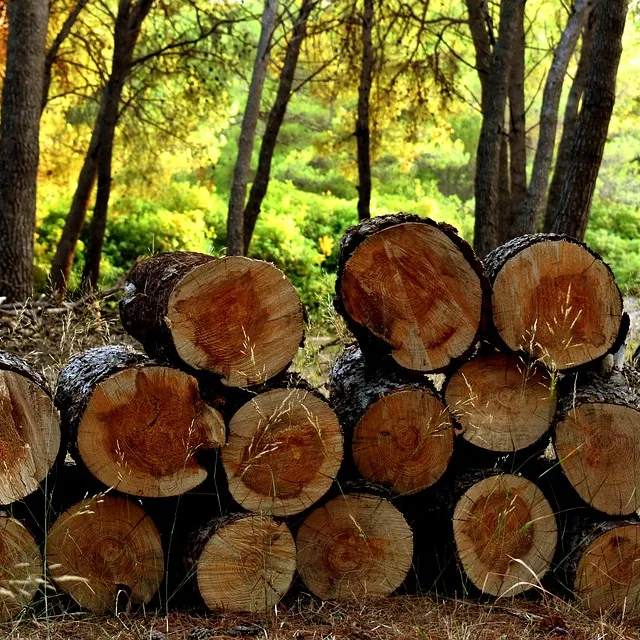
[(47, 336)]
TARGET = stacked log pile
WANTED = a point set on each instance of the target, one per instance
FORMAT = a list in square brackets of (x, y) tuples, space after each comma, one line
[(519, 471)]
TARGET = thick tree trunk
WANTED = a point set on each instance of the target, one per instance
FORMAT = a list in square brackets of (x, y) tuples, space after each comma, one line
[(235, 220), (363, 131), (19, 144), (274, 122), (593, 121), (504, 189), (528, 216), (488, 154), (563, 159)]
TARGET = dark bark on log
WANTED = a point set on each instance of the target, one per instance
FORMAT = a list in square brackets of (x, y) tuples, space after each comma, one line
[(11, 362)]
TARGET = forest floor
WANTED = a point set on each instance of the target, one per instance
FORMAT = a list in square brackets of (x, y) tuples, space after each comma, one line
[(47, 337)]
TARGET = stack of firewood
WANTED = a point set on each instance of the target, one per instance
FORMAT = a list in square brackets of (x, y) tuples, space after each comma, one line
[(208, 449)]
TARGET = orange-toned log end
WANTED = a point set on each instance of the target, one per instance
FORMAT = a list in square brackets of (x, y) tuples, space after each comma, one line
[(505, 534), (558, 302), (142, 428), (404, 440), (608, 572), (106, 553), (501, 403), (598, 445), (285, 448), (413, 287), (238, 318), (20, 568), (29, 436), (355, 545), (247, 565)]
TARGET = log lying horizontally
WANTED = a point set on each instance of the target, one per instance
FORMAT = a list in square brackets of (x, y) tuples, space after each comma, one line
[(412, 287), (597, 440), (397, 430), (502, 403), (20, 567), (106, 553), (355, 545), (555, 299), (238, 318), (505, 533), (29, 429), (285, 448), (134, 424), (242, 562)]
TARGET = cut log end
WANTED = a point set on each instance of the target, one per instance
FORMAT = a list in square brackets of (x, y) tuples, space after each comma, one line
[(354, 546), (20, 568), (598, 445), (404, 440), (411, 286), (502, 404), (247, 565), (29, 436), (106, 553), (505, 534), (141, 429), (285, 448), (608, 573), (557, 302), (238, 318)]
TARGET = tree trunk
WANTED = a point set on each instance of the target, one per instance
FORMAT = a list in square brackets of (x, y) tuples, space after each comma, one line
[(563, 158), (504, 189), (554, 300), (235, 220), (238, 318), (136, 425), (363, 134), (98, 159), (528, 216), (488, 154), (593, 121), (274, 122), (391, 266), (19, 144), (482, 43)]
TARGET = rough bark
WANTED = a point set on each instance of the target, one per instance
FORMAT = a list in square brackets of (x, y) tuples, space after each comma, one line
[(563, 157), (504, 189), (19, 144), (488, 153), (274, 122), (528, 216), (235, 220), (593, 122), (482, 43), (363, 135)]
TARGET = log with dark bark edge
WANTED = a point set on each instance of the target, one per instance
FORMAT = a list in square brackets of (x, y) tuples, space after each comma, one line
[(30, 437), (505, 533), (597, 439), (397, 431), (555, 300), (285, 448), (20, 567), (412, 288), (134, 424), (502, 402), (105, 552), (241, 562), (238, 318), (354, 545)]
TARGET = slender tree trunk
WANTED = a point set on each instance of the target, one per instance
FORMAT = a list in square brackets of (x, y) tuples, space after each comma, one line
[(488, 155), (527, 219), (482, 42), (19, 145), (593, 120), (517, 128), (274, 122), (235, 220), (363, 135), (563, 158)]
